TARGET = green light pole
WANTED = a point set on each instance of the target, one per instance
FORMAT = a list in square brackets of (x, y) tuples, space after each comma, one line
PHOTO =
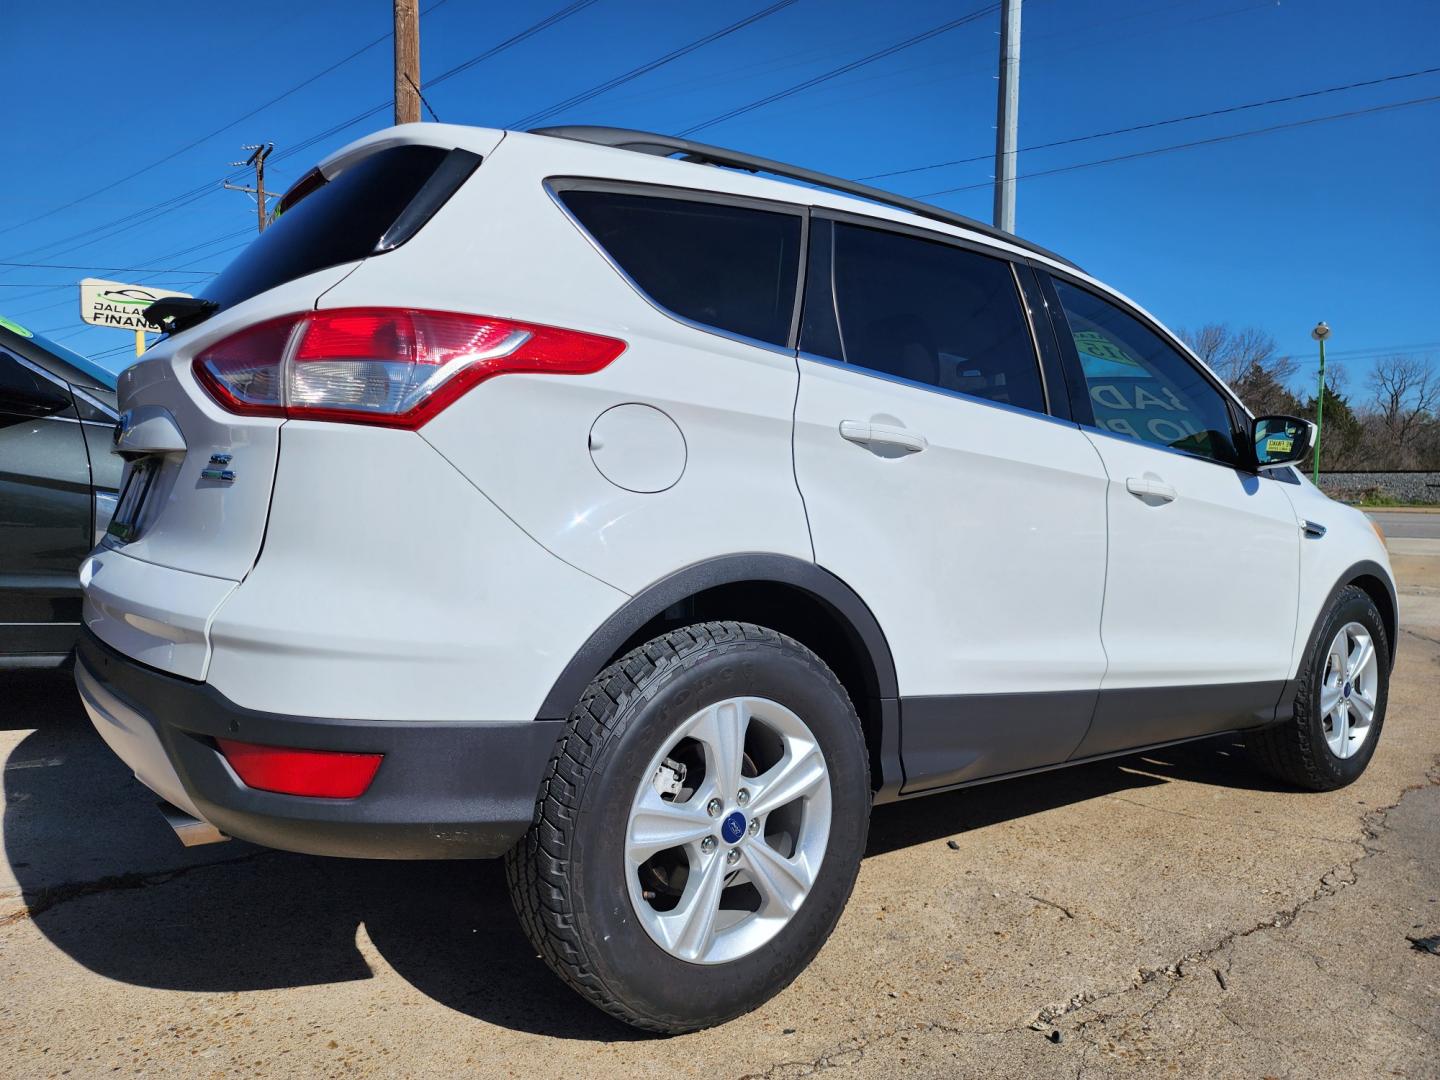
[(1320, 333)]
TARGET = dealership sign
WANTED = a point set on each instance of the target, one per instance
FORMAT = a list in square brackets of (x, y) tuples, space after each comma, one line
[(114, 303)]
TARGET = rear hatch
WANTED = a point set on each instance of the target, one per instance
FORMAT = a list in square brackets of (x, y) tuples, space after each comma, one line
[(195, 494)]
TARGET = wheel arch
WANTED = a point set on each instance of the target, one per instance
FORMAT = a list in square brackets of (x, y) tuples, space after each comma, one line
[(1375, 581), (790, 595), (1377, 584)]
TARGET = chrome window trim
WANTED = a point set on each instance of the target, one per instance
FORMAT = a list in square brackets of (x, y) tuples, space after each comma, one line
[(943, 391), (89, 400), (49, 376), (844, 217), (1133, 441)]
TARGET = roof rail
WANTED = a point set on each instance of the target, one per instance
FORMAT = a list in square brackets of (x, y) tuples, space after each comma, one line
[(647, 142)]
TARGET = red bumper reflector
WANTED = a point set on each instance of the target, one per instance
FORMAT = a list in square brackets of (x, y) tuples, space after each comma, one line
[(323, 774)]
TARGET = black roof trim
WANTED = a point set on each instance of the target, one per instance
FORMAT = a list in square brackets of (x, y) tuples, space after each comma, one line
[(647, 142)]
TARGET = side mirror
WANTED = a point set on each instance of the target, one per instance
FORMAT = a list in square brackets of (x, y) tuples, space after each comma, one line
[(1281, 441)]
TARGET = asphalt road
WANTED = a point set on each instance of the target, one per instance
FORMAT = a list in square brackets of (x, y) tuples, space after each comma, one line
[(1408, 524), (1173, 914)]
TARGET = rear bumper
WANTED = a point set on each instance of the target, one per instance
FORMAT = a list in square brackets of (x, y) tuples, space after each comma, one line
[(444, 790)]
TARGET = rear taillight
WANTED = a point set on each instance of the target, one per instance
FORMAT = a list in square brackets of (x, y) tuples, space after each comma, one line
[(396, 367), (322, 774)]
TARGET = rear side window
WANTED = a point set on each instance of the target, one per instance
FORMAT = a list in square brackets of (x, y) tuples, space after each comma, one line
[(1141, 387), (730, 267), (24, 393), (934, 313), (337, 222)]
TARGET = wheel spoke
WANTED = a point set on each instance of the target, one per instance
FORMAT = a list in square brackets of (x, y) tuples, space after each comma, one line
[(721, 730), (690, 928), (1360, 658), (1329, 697), (1364, 708), (657, 824), (1340, 739), (799, 773), (681, 857), (1337, 661), (783, 883)]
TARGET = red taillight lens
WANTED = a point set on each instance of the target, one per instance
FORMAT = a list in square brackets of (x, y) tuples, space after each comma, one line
[(324, 774), (396, 367)]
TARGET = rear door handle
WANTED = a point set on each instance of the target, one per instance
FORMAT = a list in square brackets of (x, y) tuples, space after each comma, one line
[(1156, 489), (858, 431)]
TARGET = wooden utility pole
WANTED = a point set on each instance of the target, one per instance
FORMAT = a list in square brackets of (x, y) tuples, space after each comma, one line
[(256, 160), (407, 61)]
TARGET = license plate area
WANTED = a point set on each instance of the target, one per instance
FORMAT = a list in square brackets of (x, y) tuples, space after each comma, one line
[(125, 524)]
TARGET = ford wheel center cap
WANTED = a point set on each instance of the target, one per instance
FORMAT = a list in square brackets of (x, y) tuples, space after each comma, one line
[(733, 828)]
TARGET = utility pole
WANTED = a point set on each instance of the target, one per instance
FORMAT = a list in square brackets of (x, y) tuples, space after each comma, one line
[(407, 61), (258, 153), (1320, 333), (1007, 115)]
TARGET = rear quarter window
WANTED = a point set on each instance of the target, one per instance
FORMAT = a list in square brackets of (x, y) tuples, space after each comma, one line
[(338, 222), (730, 267)]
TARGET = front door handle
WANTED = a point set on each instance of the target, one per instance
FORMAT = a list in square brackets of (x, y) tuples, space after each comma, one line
[(1143, 486), (857, 431)]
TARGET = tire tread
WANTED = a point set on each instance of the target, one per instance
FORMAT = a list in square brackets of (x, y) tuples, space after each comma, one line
[(536, 868)]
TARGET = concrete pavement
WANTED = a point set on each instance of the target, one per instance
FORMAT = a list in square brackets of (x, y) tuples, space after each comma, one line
[(1172, 914)]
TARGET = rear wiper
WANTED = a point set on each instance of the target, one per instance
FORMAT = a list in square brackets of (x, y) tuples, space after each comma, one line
[(175, 313)]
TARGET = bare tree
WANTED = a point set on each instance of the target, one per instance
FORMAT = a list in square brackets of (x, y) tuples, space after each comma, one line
[(1246, 359), (1405, 393)]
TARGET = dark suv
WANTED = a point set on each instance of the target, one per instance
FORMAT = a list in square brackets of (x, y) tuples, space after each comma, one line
[(58, 482)]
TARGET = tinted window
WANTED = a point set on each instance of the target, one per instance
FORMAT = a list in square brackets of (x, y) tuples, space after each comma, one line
[(934, 313), (338, 222), (1142, 387), (24, 393), (730, 267)]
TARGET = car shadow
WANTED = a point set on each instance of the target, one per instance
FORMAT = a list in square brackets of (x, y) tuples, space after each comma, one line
[(106, 883)]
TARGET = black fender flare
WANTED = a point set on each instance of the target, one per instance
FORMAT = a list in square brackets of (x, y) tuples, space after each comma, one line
[(1364, 568), (850, 611)]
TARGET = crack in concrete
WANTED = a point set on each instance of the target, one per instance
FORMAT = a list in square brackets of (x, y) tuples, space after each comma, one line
[(1422, 637), (852, 1051), (49, 898), (1330, 884), (1051, 903)]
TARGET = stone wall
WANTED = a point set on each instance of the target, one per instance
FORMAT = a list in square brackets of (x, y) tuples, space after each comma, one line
[(1400, 487)]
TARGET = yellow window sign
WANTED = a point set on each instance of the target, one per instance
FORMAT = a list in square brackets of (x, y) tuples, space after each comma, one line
[(1279, 444)]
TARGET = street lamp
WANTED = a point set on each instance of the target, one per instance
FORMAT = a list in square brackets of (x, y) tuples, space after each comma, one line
[(1320, 333)]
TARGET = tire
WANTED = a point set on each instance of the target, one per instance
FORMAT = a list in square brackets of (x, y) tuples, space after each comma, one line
[(1301, 750), (577, 888)]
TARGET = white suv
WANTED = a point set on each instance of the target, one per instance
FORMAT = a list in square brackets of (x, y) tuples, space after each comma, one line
[(646, 521)]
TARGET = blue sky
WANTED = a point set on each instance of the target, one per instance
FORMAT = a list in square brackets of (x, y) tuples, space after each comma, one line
[(1337, 220)]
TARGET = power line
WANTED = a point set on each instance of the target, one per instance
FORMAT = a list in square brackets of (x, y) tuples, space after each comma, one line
[(530, 31), (109, 269), (1164, 123), (644, 69), (158, 258), (1196, 142), (558, 16), (226, 127), (843, 69), (175, 202)]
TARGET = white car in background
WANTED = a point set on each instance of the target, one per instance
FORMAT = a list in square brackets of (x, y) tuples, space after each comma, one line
[(646, 521)]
